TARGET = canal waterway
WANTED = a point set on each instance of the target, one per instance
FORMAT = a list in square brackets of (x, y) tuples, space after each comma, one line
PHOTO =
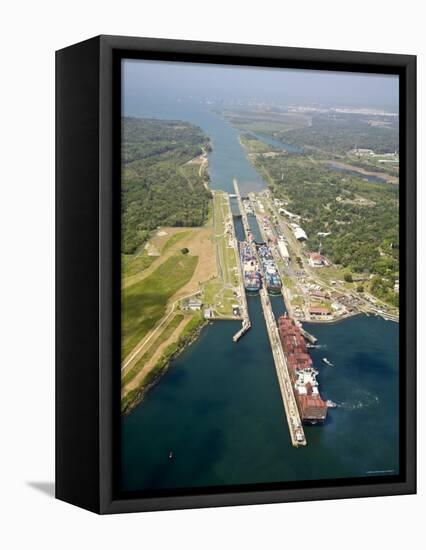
[(219, 409)]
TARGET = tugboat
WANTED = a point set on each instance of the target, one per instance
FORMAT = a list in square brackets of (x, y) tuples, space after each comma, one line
[(327, 362), (171, 455), (331, 404)]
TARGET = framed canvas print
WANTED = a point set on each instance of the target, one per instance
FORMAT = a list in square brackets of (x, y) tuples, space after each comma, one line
[(235, 274)]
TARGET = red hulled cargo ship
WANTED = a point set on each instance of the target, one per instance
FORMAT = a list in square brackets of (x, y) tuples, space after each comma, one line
[(312, 408)]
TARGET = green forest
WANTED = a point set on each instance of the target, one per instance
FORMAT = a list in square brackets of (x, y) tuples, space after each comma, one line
[(339, 133), (333, 132), (361, 217), (158, 186)]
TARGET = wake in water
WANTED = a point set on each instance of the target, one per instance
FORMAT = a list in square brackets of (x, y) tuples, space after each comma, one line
[(317, 346), (365, 400)]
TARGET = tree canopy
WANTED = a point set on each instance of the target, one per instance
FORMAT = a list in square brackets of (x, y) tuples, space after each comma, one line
[(158, 186)]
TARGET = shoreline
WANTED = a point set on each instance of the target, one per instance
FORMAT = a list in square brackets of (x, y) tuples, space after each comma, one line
[(135, 397), (344, 318)]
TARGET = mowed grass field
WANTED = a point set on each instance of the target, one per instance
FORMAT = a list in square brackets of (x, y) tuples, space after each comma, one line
[(135, 263), (132, 264), (218, 292), (227, 258), (220, 298), (175, 239), (145, 302)]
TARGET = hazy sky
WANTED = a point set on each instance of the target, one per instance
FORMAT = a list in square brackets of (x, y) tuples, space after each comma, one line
[(232, 83)]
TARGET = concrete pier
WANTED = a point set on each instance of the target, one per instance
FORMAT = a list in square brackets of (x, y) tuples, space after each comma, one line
[(276, 256), (243, 212), (309, 337), (245, 327), (294, 422)]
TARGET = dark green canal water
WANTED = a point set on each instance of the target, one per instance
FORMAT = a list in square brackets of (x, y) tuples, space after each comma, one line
[(219, 408)]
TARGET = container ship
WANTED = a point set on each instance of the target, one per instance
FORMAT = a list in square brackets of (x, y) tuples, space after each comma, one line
[(270, 273), (249, 263), (312, 408)]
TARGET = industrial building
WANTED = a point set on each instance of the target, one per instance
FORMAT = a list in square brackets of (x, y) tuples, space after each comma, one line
[(298, 232), (194, 304), (282, 247)]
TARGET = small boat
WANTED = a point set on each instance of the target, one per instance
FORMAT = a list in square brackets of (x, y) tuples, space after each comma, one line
[(327, 362), (171, 455), (331, 404)]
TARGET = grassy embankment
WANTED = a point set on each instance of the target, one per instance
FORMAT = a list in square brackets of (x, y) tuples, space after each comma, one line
[(266, 122), (135, 395), (219, 292), (254, 146), (155, 329), (227, 255), (144, 303), (166, 244), (165, 334)]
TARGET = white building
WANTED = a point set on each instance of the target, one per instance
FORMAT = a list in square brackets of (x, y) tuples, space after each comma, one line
[(194, 305), (361, 152), (299, 233), (289, 214), (283, 250), (208, 313)]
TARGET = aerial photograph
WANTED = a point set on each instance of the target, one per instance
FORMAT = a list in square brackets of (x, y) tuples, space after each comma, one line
[(259, 276)]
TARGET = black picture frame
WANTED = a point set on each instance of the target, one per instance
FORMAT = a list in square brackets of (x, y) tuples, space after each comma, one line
[(88, 270)]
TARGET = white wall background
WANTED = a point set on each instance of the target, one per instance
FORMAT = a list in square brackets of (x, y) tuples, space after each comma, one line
[(30, 32)]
